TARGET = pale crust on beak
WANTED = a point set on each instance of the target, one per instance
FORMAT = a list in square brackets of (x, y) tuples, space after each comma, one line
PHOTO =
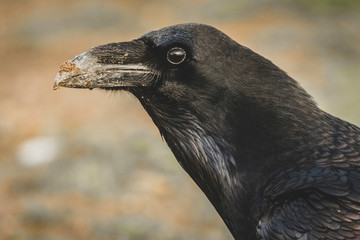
[(84, 71)]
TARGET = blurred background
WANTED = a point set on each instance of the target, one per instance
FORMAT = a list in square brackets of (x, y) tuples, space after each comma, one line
[(79, 164)]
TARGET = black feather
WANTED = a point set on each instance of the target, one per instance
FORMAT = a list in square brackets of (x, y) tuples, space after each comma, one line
[(272, 163)]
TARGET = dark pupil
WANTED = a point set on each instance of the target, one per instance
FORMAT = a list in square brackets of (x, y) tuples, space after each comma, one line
[(176, 55)]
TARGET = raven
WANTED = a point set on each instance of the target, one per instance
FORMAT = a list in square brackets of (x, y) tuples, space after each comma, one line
[(273, 164)]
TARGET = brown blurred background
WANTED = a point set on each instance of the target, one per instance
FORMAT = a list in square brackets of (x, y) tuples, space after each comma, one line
[(79, 164)]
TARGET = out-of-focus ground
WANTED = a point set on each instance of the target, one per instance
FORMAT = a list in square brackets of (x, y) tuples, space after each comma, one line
[(79, 164)]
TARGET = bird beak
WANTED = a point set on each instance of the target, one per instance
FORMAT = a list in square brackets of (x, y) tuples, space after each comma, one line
[(108, 66)]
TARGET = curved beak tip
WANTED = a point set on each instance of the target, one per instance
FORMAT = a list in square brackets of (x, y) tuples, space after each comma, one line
[(57, 82), (67, 71)]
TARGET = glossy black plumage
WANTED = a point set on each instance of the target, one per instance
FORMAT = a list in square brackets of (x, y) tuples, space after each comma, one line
[(272, 163)]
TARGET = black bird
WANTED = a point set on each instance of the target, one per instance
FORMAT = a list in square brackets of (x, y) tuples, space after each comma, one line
[(272, 163)]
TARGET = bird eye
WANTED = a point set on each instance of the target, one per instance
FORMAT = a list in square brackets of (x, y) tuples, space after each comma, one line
[(176, 55)]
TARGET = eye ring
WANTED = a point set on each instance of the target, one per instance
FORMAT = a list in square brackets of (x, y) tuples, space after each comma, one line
[(176, 55)]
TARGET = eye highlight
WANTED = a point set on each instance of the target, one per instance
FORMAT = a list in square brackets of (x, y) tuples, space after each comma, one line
[(176, 55)]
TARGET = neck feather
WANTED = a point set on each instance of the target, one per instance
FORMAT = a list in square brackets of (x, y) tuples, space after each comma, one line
[(209, 159)]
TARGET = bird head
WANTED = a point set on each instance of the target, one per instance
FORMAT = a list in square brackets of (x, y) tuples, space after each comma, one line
[(181, 63), (195, 72)]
